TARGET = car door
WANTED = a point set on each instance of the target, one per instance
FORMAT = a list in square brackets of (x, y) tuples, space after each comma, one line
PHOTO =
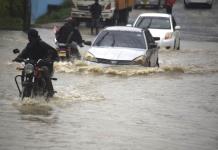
[(176, 33), (152, 48)]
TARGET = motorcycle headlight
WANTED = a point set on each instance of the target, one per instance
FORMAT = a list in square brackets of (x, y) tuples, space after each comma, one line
[(139, 60), (90, 57), (29, 68)]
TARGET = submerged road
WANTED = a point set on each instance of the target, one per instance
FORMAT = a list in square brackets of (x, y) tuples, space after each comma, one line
[(197, 23), (173, 107)]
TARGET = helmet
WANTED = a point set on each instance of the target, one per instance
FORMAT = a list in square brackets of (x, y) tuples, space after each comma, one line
[(32, 33)]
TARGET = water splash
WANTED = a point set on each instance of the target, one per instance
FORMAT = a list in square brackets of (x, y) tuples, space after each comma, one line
[(83, 67), (33, 107)]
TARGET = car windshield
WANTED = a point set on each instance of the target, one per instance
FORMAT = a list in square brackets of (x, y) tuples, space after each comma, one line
[(154, 23), (121, 39)]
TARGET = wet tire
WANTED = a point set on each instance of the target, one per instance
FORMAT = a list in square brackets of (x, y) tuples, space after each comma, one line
[(25, 93)]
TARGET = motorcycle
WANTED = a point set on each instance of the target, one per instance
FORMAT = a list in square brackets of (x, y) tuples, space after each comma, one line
[(32, 82), (67, 52)]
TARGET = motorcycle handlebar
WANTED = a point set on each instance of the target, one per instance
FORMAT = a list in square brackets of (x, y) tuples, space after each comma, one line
[(89, 43), (32, 61)]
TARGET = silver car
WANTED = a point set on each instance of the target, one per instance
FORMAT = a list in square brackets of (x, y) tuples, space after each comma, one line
[(120, 45), (188, 3)]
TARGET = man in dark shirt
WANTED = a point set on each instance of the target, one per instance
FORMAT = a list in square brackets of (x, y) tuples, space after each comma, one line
[(95, 10), (37, 49)]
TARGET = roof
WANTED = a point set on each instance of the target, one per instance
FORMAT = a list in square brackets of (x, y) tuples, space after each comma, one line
[(123, 28), (155, 14)]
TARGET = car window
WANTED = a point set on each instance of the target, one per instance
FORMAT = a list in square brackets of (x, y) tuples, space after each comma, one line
[(121, 39), (153, 23)]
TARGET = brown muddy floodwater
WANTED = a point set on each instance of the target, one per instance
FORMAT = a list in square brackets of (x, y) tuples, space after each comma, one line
[(174, 107)]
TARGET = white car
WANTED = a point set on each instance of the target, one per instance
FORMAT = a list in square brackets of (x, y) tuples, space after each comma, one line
[(187, 3), (120, 45), (160, 25)]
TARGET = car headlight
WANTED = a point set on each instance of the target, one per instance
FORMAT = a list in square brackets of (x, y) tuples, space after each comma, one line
[(29, 68), (139, 60), (168, 35), (90, 57)]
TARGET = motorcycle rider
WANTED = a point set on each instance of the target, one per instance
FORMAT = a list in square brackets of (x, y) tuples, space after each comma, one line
[(69, 34), (37, 49)]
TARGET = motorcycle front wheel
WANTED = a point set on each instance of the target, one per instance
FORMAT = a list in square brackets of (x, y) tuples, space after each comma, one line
[(40, 89), (25, 92)]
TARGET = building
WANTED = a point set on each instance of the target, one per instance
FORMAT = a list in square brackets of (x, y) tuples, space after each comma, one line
[(40, 7)]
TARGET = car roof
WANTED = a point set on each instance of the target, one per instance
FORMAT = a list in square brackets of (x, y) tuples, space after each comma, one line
[(124, 28), (155, 15)]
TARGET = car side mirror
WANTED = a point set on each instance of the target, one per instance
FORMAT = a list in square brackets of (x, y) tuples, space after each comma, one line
[(16, 51), (177, 27)]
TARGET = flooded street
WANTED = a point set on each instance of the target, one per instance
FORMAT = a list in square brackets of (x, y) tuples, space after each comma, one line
[(174, 107)]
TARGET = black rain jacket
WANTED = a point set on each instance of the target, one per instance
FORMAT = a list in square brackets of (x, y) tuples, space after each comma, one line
[(38, 49), (68, 33)]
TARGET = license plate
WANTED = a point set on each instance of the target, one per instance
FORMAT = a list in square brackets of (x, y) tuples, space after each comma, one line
[(62, 54)]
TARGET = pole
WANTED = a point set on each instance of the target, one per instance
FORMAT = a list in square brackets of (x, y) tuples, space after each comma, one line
[(26, 15)]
